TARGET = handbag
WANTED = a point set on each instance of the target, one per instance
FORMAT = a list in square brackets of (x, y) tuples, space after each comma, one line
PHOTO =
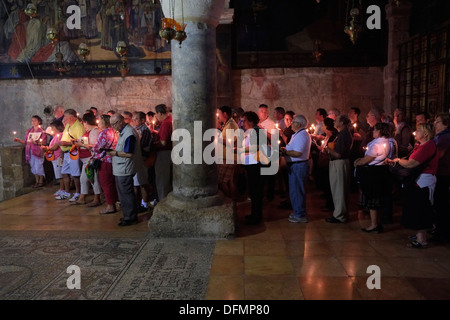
[(95, 164), (408, 176)]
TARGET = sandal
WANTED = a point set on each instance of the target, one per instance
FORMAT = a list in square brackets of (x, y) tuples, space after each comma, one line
[(93, 204), (417, 245), (106, 211)]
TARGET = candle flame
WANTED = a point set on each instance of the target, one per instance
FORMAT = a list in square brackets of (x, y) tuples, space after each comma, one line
[(14, 132)]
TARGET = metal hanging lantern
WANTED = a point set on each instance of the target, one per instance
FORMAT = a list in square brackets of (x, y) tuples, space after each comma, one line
[(83, 51)]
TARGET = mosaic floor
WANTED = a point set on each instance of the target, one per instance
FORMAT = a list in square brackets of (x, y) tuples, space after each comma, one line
[(45, 268)]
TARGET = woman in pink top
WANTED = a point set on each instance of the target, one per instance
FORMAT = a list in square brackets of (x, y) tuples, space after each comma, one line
[(107, 139), (34, 139), (54, 154)]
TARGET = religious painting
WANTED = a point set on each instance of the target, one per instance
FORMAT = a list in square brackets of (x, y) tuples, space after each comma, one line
[(325, 33), (79, 38)]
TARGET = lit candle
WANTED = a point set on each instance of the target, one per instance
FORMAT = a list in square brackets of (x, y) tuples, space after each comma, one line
[(98, 121), (414, 133), (40, 142), (279, 141), (217, 115), (14, 133), (276, 125), (354, 125)]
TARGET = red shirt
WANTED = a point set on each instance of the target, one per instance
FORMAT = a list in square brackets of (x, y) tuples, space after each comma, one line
[(423, 152), (165, 132)]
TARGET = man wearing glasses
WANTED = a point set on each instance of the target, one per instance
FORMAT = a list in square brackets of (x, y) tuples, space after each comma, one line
[(126, 159)]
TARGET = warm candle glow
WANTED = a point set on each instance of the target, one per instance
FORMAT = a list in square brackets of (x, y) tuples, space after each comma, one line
[(98, 121), (14, 132), (276, 125), (354, 125), (414, 133)]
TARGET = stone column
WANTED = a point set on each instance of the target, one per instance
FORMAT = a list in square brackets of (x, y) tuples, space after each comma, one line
[(195, 208), (398, 21)]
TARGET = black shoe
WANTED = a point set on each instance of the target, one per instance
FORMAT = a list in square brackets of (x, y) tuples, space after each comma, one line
[(377, 229), (124, 223), (333, 220)]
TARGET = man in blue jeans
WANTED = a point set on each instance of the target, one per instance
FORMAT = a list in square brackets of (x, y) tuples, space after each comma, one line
[(297, 154)]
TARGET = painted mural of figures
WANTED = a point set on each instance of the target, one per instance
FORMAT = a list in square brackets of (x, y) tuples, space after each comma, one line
[(133, 21), (19, 37), (119, 20), (89, 10), (106, 11), (147, 30), (35, 36), (48, 52)]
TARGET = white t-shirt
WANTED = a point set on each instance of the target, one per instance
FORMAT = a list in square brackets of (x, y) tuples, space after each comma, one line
[(379, 148), (267, 124)]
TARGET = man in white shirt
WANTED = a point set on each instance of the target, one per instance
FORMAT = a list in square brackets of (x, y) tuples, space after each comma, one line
[(297, 153), (268, 124), (264, 121)]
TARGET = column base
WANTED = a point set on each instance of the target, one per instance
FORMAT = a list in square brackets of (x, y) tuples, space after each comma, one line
[(208, 217)]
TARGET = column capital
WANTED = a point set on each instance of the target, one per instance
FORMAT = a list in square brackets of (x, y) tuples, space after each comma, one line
[(197, 11)]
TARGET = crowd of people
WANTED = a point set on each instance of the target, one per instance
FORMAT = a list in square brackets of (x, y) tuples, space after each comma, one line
[(341, 154), (127, 158), (120, 156)]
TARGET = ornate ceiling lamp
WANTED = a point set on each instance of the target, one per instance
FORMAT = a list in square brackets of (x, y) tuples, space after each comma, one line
[(353, 29), (122, 49), (171, 29), (60, 66), (83, 51)]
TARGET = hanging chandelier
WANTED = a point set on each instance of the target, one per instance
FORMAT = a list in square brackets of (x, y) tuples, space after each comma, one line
[(171, 29), (122, 49), (83, 51), (353, 29)]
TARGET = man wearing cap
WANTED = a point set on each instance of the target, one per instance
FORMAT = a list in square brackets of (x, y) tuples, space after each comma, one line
[(73, 130)]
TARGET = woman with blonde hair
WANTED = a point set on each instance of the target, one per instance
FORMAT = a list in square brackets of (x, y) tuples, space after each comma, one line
[(418, 196)]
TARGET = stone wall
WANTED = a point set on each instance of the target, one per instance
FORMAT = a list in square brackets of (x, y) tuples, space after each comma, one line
[(302, 90), (15, 175), (21, 99)]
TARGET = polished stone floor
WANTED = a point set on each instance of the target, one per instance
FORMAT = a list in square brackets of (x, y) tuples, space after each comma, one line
[(276, 260)]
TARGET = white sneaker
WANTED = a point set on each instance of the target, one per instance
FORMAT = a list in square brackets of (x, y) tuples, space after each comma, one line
[(75, 197), (153, 203), (57, 193), (62, 196)]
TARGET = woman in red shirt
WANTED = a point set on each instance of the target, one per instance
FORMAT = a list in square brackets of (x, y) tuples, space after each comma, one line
[(418, 196)]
